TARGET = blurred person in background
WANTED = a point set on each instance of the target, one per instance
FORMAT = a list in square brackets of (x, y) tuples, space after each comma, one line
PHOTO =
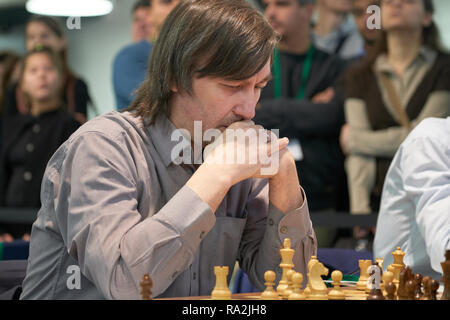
[(404, 80), (303, 104), (47, 31), (33, 137), (130, 64), (9, 74), (361, 17), (141, 29), (335, 31)]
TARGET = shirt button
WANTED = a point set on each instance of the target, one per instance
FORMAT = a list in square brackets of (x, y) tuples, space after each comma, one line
[(202, 234), (174, 274), (29, 147), (283, 230), (271, 222), (27, 176), (36, 128)]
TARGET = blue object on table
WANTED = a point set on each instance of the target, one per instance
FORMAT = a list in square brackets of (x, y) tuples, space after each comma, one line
[(344, 260), (12, 273), (16, 250)]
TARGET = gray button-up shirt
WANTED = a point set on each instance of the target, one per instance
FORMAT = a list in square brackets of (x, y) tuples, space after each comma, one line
[(115, 206)]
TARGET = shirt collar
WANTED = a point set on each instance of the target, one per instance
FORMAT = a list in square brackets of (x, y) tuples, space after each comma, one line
[(169, 140), (425, 54)]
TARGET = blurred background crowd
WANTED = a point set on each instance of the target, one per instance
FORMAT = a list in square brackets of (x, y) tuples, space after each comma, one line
[(345, 94)]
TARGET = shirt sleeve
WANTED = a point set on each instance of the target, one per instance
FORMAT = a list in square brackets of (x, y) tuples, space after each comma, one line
[(266, 229), (114, 244), (426, 168)]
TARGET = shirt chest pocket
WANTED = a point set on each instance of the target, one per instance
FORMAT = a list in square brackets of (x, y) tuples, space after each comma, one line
[(222, 242)]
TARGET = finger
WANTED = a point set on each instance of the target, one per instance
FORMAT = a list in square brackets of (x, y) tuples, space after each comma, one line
[(283, 143), (277, 145), (241, 124)]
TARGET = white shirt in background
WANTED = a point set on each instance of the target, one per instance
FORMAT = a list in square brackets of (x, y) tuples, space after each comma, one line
[(415, 205)]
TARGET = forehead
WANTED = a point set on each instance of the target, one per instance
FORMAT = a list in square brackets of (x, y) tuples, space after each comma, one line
[(38, 57), (262, 75)]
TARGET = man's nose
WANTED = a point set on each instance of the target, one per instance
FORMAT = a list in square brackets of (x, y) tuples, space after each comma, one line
[(246, 107)]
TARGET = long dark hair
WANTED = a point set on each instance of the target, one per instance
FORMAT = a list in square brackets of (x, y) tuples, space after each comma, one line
[(233, 38), (9, 60)]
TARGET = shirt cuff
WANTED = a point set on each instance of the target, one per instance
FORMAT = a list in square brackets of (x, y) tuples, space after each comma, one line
[(295, 225), (189, 215)]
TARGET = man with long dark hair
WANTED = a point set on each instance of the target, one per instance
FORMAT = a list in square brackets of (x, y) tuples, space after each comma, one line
[(117, 201)]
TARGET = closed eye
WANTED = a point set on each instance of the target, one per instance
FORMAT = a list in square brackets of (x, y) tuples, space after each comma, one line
[(233, 87)]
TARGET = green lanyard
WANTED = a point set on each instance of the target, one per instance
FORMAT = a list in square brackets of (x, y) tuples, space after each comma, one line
[(305, 73)]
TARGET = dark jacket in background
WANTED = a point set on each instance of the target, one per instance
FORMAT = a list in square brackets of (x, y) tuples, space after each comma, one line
[(317, 126), (28, 144)]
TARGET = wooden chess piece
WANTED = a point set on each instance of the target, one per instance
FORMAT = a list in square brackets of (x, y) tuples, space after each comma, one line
[(374, 282), (380, 263), (336, 293), (418, 278), (434, 286), (388, 276), (398, 264), (390, 290), (270, 293), (410, 289), (404, 277), (146, 287), (311, 261), (374, 271), (288, 291), (446, 276), (286, 264), (426, 283), (221, 291), (318, 288), (297, 294), (364, 276), (375, 294)]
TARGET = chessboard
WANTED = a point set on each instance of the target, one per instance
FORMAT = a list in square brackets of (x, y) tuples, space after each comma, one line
[(350, 294), (398, 282)]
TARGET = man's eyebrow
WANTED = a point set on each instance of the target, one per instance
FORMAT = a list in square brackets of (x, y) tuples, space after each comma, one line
[(267, 79)]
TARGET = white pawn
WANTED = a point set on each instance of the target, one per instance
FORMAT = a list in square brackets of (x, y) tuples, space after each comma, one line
[(288, 291), (269, 293), (336, 293), (297, 294)]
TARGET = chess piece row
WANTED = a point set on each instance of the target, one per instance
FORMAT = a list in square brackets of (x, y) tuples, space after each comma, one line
[(399, 283), (290, 284)]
